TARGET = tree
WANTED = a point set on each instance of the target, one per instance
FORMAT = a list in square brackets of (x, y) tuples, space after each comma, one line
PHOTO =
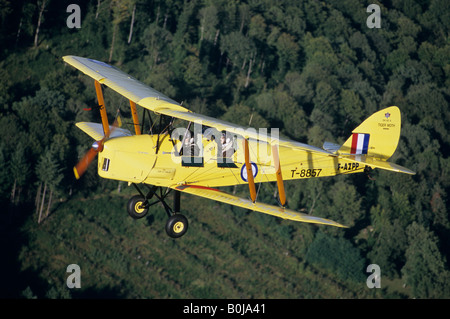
[(49, 176), (410, 8), (194, 72), (315, 14), (337, 255), (40, 118), (408, 27), (397, 58), (345, 204), (389, 244), (238, 47), (277, 106), (360, 44), (27, 293), (288, 51), (4, 174), (336, 27), (425, 269), (120, 11), (41, 7), (321, 60), (437, 18), (208, 22), (257, 28), (326, 97), (352, 106), (243, 115), (5, 10), (302, 91), (181, 38), (156, 40), (323, 127), (439, 207), (132, 22), (20, 170), (159, 79), (25, 24)]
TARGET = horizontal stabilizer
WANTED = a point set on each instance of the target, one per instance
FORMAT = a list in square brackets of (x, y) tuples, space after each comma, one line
[(95, 130), (375, 163), (217, 195), (331, 147)]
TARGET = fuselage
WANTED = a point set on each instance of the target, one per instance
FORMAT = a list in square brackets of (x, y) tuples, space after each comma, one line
[(162, 161)]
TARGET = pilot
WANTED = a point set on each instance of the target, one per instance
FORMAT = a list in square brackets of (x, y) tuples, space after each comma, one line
[(190, 148), (227, 145)]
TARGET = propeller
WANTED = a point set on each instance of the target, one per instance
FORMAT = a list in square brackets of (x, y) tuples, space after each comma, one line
[(96, 148), (84, 163)]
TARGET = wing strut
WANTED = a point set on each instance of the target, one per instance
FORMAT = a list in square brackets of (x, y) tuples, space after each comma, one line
[(137, 127), (101, 103), (248, 167), (276, 159)]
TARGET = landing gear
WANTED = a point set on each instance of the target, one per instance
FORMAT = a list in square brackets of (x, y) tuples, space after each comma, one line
[(176, 226), (138, 207)]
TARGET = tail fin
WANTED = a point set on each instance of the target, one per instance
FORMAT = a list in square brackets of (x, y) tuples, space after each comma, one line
[(377, 136), (375, 141)]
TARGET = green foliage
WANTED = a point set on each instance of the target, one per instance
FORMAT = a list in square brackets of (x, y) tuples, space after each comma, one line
[(345, 204), (47, 170), (337, 255), (28, 294), (425, 268)]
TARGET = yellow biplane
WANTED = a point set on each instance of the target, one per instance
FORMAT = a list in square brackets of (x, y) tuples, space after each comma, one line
[(210, 153)]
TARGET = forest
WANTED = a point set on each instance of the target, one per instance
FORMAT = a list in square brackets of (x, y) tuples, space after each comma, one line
[(314, 69)]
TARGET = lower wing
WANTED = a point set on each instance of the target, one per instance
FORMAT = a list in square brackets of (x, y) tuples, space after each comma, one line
[(217, 195), (95, 130)]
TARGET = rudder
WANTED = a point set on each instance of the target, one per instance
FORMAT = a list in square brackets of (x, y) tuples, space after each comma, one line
[(377, 136)]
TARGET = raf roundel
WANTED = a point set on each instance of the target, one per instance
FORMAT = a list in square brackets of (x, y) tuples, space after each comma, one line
[(244, 172)]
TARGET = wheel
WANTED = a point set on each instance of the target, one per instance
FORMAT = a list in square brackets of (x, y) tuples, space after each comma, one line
[(135, 208), (176, 226)]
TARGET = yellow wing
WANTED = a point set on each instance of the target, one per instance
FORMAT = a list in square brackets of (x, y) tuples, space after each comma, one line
[(95, 130), (122, 83), (157, 102), (217, 195)]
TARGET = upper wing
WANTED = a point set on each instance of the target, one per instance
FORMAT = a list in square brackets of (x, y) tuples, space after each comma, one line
[(223, 197), (236, 129), (155, 101), (121, 82)]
